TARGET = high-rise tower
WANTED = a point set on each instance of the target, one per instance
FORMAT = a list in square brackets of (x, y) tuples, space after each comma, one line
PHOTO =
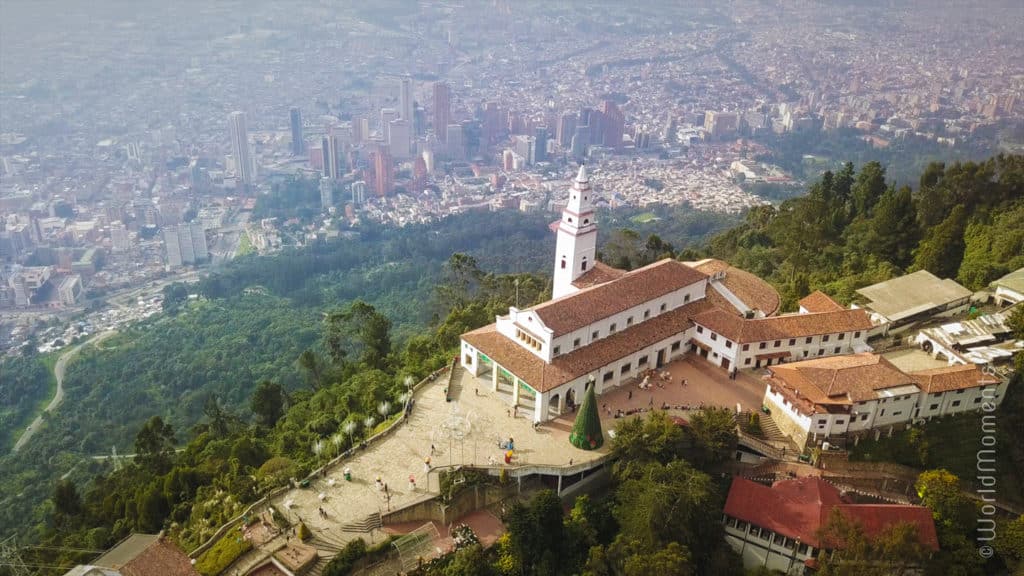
[(298, 146), (576, 247), (240, 148), (405, 100), (442, 110)]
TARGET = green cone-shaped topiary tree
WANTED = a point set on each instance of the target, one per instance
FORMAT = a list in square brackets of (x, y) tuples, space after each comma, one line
[(586, 431)]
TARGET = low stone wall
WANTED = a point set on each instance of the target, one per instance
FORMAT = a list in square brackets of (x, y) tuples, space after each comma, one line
[(464, 503)]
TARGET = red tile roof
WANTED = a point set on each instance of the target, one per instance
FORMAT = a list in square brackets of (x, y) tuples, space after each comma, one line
[(568, 367), (161, 557), (753, 291), (580, 309), (818, 301), (952, 378), (838, 379), (800, 508), (599, 274), (783, 327)]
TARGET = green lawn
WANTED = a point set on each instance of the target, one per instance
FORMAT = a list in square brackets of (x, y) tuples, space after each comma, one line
[(244, 245), (951, 443), (644, 218)]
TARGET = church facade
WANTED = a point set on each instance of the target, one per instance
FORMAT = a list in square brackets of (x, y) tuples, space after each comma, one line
[(609, 326)]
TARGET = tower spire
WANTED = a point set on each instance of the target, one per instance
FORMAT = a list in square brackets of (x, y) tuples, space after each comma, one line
[(576, 247)]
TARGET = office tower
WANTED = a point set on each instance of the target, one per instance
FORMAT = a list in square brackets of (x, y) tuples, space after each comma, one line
[(405, 101), (456, 146), (525, 148), (540, 137), (428, 160), (333, 155), (386, 116), (360, 129), (614, 123), (442, 110), (198, 237), (399, 138), (581, 141), (507, 160), (172, 247), (720, 124), (240, 148), (358, 193), (326, 193), (491, 125), (566, 129), (383, 171), (298, 146), (120, 242), (185, 244)]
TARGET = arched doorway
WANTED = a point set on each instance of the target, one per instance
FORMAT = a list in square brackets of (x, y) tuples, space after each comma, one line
[(570, 400), (554, 410)]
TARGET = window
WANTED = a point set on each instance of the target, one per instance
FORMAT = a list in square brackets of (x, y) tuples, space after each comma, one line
[(625, 368), (824, 338), (755, 531), (641, 361), (686, 298), (575, 343), (821, 424), (856, 334), (675, 346), (977, 400), (808, 341), (792, 341), (842, 336), (882, 413), (746, 347), (556, 350), (762, 345), (821, 351), (898, 413), (728, 343), (778, 343), (714, 336), (700, 329), (863, 417), (662, 308), (933, 407), (780, 540), (960, 391), (608, 376), (840, 421), (612, 328), (730, 522), (805, 353), (586, 221), (836, 350), (765, 534), (956, 403), (802, 550), (746, 362), (595, 335), (936, 394), (647, 314), (741, 526), (629, 321), (583, 265), (563, 263)]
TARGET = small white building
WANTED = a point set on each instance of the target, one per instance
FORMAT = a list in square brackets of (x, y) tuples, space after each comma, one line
[(1010, 288), (848, 397)]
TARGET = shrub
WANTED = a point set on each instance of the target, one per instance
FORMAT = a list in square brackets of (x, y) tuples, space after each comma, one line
[(222, 554), (345, 561)]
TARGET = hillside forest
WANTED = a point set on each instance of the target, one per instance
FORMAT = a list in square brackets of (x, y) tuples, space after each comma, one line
[(220, 399)]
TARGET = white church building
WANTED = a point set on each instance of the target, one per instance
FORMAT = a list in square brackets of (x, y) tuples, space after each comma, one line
[(610, 325)]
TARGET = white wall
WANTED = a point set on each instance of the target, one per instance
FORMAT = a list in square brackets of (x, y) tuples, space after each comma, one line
[(801, 349), (759, 551)]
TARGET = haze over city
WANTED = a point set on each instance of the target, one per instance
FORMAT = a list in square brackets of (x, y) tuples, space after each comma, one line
[(269, 223)]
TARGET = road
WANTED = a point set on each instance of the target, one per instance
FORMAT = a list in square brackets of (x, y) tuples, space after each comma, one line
[(58, 371)]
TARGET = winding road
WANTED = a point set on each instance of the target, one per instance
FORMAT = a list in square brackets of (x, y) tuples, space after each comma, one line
[(58, 371)]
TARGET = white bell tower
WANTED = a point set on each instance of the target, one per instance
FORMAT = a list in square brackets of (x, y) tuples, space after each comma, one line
[(576, 248)]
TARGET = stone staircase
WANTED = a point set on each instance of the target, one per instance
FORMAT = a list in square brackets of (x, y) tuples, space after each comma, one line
[(327, 547), (770, 435), (370, 523)]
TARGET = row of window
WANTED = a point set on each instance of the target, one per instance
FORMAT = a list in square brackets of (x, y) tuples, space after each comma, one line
[(530, 340), (767, 535), (612, 329), (778, 343)]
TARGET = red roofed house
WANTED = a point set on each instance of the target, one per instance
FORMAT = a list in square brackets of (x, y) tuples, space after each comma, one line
[(140, 555), (779, 527), (611, 325), (850, 396)]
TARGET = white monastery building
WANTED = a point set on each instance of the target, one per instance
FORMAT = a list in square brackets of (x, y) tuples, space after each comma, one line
[(610, 325)]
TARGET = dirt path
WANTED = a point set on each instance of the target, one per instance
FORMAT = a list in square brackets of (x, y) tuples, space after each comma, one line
[(58, 371)]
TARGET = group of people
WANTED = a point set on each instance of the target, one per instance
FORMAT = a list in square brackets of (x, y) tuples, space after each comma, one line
[(323, 513)]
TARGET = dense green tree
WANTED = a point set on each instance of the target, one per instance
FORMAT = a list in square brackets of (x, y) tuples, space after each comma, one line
[(469, 561), (268, 403), (942, 248), (868, 188), (653, 439), (363, 329), (894, 227), (714, 431), (896, 550), (67, 505), (154, 445), (536, 535)]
